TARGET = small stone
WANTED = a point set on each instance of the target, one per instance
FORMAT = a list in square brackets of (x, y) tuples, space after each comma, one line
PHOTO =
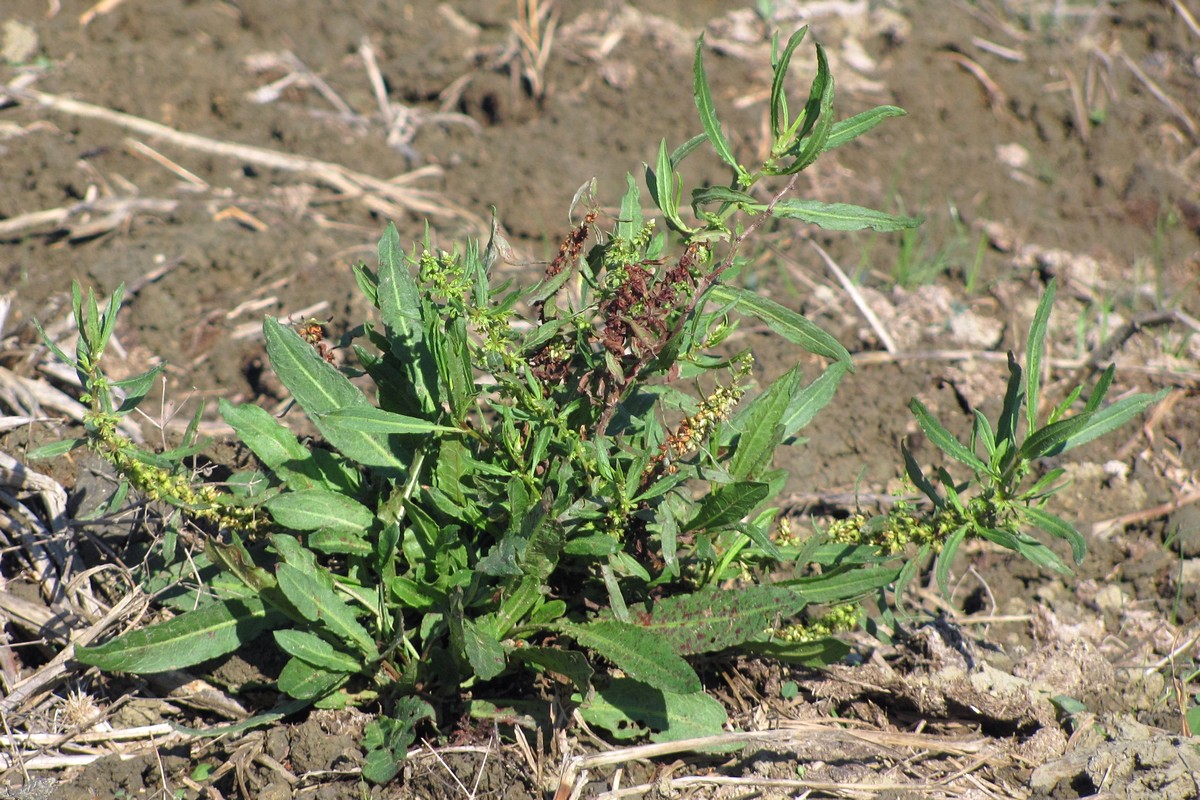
[(18, 42)]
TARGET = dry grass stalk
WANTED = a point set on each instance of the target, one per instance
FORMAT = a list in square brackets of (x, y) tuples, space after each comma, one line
[(391, 197), (859, 301), (534, 27)]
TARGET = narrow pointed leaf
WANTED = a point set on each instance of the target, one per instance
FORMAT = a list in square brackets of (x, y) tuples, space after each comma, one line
[(135, 388), (183, 641), (1058, 528), (708, 114), (942, 438), (845, 130), (372, 420), (759, 427), (787, 323), (779, 107), (320, 389), (1109, 419), (946, 557), (727, 504), (713, 620), (1052, 439), (806, 403), (840, 216), (639, 654), (311, 509), (319, 604), (626, 707), (312, 649), (1034, 349)]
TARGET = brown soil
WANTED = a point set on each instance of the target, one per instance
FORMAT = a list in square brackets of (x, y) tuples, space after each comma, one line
[(1043, 140)]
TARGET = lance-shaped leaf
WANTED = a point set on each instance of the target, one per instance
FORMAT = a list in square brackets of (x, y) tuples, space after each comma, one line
[(1034, 349), (369, 419), (184, 641), (787, 323), (727, 504), (312, 649), (640, 654), (626, 707), (943, 439), (759, 427), (811, 399), (1058, 528), (780, 120), (312, 509), (321, 605), (839, 216), (847, 129), (708, 113), (319, 389), (708, 621), (1109, 419), (305, 681)]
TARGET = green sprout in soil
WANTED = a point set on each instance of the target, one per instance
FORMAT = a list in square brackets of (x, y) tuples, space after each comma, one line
[(564, 486)]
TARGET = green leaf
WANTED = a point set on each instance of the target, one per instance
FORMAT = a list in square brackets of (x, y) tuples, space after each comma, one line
[(705, 195), (340, 541), (1058, 528), (943, 439), (847, 129), (717, 619), (55, 449), (684, 150), (787, 323), (629, 224), (1101, 388), (1010, 413), (135, 388), (312, 509), (944, 559), (257, 721), (314, 650), (1039, 554), (811, 399), (320, 389), (1034, 348), (368, 419), (727, 504), (319, 604), (815, 653), (662, 184), (984, 433), (779, 107), (485, 654), (1052, 439), (817, 116), (839, 216), (624, 706), (641, 655), (304, 681), (568, 663), (274, 444), (183, 641), (708, 114), (1109, 419), (843, 583), (759, 427)]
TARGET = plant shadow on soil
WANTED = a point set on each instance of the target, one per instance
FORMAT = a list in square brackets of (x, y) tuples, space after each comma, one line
[(1047, 137)]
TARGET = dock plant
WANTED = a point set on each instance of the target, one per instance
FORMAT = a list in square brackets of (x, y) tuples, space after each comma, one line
[(572, 480)]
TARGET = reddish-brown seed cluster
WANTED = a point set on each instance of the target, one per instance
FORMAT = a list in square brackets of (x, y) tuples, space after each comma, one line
[(313, 332), (572, 246)]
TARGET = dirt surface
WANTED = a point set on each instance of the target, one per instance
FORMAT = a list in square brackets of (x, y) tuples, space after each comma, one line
[(1043, 140)]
